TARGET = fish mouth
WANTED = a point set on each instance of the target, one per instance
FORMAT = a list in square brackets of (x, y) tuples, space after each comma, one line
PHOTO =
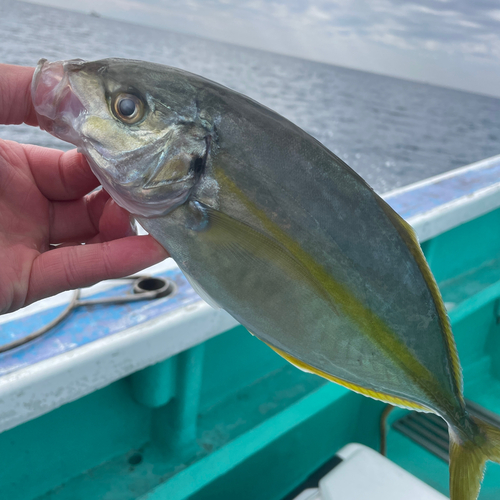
[(58, 109)]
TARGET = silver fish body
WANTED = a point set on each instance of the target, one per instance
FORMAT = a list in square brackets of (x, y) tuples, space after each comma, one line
[(269, 224), (301, 251)]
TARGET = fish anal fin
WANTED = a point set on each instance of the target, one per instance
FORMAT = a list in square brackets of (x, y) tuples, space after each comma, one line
[(386, 398)]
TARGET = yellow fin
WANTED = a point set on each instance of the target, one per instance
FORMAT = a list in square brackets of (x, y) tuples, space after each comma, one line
[(408, 234), (386, 398), (468, 456)]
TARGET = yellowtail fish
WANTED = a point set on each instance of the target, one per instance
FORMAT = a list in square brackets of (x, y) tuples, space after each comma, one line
[(271, 226)]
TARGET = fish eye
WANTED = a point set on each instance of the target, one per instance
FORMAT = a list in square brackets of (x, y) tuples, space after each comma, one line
[(128, 108)]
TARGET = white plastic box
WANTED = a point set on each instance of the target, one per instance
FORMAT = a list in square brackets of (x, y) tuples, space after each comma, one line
[(364, 474)]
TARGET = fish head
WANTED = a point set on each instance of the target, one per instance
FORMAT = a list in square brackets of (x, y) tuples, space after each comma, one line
[(137, 123)]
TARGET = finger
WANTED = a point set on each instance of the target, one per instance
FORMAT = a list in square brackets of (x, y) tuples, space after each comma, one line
[(15, 95), (114, 223), (58, 175), (78, 220), (73, 267), (93, 219)]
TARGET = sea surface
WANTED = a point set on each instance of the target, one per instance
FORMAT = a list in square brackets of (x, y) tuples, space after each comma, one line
[(392, 132)]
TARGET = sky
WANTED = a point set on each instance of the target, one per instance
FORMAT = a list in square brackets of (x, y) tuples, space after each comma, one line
[(454, 43)]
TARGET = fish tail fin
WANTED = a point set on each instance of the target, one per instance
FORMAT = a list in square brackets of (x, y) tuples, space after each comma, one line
[(468, 459)]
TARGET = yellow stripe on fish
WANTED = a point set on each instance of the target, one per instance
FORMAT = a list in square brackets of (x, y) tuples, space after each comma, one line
[(368, 322)]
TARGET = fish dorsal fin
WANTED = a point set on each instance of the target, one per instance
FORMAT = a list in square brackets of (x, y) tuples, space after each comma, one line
[(408, 234)]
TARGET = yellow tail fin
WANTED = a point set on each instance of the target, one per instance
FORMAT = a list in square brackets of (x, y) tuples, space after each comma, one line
[(468, 459)]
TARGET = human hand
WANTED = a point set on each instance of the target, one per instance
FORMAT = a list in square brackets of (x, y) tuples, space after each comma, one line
[(45, 201)]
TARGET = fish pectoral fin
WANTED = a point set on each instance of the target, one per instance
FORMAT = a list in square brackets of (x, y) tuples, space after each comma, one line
[(246, 243)]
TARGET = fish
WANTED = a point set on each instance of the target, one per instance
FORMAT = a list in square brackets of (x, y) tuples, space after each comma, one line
[(271, 226)]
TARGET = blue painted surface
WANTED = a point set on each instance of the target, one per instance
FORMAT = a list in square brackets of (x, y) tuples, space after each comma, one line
[(87, 323), (427, 197)]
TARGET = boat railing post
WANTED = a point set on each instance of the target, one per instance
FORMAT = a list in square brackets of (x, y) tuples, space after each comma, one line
[(154, 386), (174, 425)]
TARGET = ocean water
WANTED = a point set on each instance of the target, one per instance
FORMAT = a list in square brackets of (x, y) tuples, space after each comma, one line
[(392, 132)]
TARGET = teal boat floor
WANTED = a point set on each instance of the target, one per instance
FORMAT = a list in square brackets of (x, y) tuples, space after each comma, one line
[(134, 473)]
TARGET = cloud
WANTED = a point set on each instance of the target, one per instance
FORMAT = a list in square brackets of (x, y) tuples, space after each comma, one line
[(389, 36), (432, 12), (495, 14)]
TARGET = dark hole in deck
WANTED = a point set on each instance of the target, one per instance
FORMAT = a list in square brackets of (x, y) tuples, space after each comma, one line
[(135, 459), (145, 284)]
